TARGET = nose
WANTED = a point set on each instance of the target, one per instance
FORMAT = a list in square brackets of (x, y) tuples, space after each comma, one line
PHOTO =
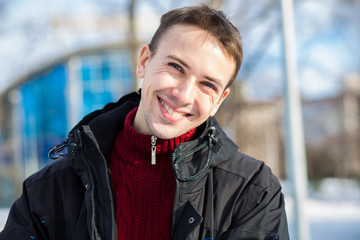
[(184, 92)]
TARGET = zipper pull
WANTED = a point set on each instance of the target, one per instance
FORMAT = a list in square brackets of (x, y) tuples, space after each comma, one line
[(153, 150)]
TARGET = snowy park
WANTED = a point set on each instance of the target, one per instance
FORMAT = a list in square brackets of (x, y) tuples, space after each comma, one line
[(332, 210)]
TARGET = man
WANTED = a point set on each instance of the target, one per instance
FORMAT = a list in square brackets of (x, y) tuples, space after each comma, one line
[(156, 164)]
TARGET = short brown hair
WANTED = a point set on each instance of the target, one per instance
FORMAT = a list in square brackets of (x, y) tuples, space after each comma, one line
[(213, 21)]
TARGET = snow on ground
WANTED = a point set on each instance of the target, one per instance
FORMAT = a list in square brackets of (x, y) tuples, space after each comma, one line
[(329, 219), (333, 211), (3, 216)]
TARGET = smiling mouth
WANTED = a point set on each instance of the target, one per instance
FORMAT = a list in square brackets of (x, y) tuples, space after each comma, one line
[(171, 111)]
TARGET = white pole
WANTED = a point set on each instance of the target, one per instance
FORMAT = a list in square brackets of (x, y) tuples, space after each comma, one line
[(74, 91), (294, 142)]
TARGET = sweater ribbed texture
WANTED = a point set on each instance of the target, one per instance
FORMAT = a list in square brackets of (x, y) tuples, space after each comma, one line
[(143, 193)]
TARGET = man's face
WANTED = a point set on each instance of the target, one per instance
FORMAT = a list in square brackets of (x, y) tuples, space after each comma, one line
[(183, 82)]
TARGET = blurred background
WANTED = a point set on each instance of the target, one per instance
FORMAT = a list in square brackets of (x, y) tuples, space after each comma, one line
[(62, 59)]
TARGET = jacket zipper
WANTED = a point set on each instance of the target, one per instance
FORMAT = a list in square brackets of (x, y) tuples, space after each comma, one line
[(153, 150), (94, 234), (175, 160), (92, 199), (175, 198)]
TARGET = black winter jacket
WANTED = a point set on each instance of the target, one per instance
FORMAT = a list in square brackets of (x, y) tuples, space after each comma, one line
[(220, 193)]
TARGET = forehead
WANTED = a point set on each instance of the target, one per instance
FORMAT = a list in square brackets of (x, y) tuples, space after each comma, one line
[(198, 48), (186, 32)]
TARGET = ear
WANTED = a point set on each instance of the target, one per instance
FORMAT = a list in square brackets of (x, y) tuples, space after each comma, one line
[(142, 61), (222, 98)]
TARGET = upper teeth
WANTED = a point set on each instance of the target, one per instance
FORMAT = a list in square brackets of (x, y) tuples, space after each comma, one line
[(171, 111)]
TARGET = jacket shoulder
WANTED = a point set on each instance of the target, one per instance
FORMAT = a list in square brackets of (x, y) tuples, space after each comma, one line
[(250, 170), (55, 189), (51, 205), (49, 171), (257, 210)]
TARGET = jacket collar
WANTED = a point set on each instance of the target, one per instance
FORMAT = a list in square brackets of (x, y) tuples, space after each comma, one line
[(106, 123), (193, 159)]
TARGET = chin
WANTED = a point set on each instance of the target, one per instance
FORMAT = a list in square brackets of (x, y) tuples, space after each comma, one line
[(165, 133)]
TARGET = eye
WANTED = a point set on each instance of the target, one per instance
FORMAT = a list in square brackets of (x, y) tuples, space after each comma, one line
[(176, 66), (209, 85)]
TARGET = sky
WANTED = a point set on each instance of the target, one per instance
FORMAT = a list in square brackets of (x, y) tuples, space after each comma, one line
[(327, 46), (326, 43)]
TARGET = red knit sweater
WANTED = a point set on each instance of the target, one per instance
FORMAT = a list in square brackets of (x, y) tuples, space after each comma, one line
[(144, 193)]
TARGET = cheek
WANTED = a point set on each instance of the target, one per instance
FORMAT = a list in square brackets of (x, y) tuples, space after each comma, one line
[(212, 102), (159, 80), (206, 104)]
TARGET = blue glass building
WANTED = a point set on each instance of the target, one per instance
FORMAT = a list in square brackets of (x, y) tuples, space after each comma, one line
[(40, 110)]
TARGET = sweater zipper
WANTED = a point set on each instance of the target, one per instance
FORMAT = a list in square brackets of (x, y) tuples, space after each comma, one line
[(153, 162), (153, 150), (147, 199)]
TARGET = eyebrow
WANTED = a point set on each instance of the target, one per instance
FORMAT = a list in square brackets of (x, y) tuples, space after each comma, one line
[(217, 81), (179, 60)]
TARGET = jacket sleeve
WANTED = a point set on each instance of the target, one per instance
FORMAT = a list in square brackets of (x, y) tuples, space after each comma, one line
[(266, 220), (20, 223)]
